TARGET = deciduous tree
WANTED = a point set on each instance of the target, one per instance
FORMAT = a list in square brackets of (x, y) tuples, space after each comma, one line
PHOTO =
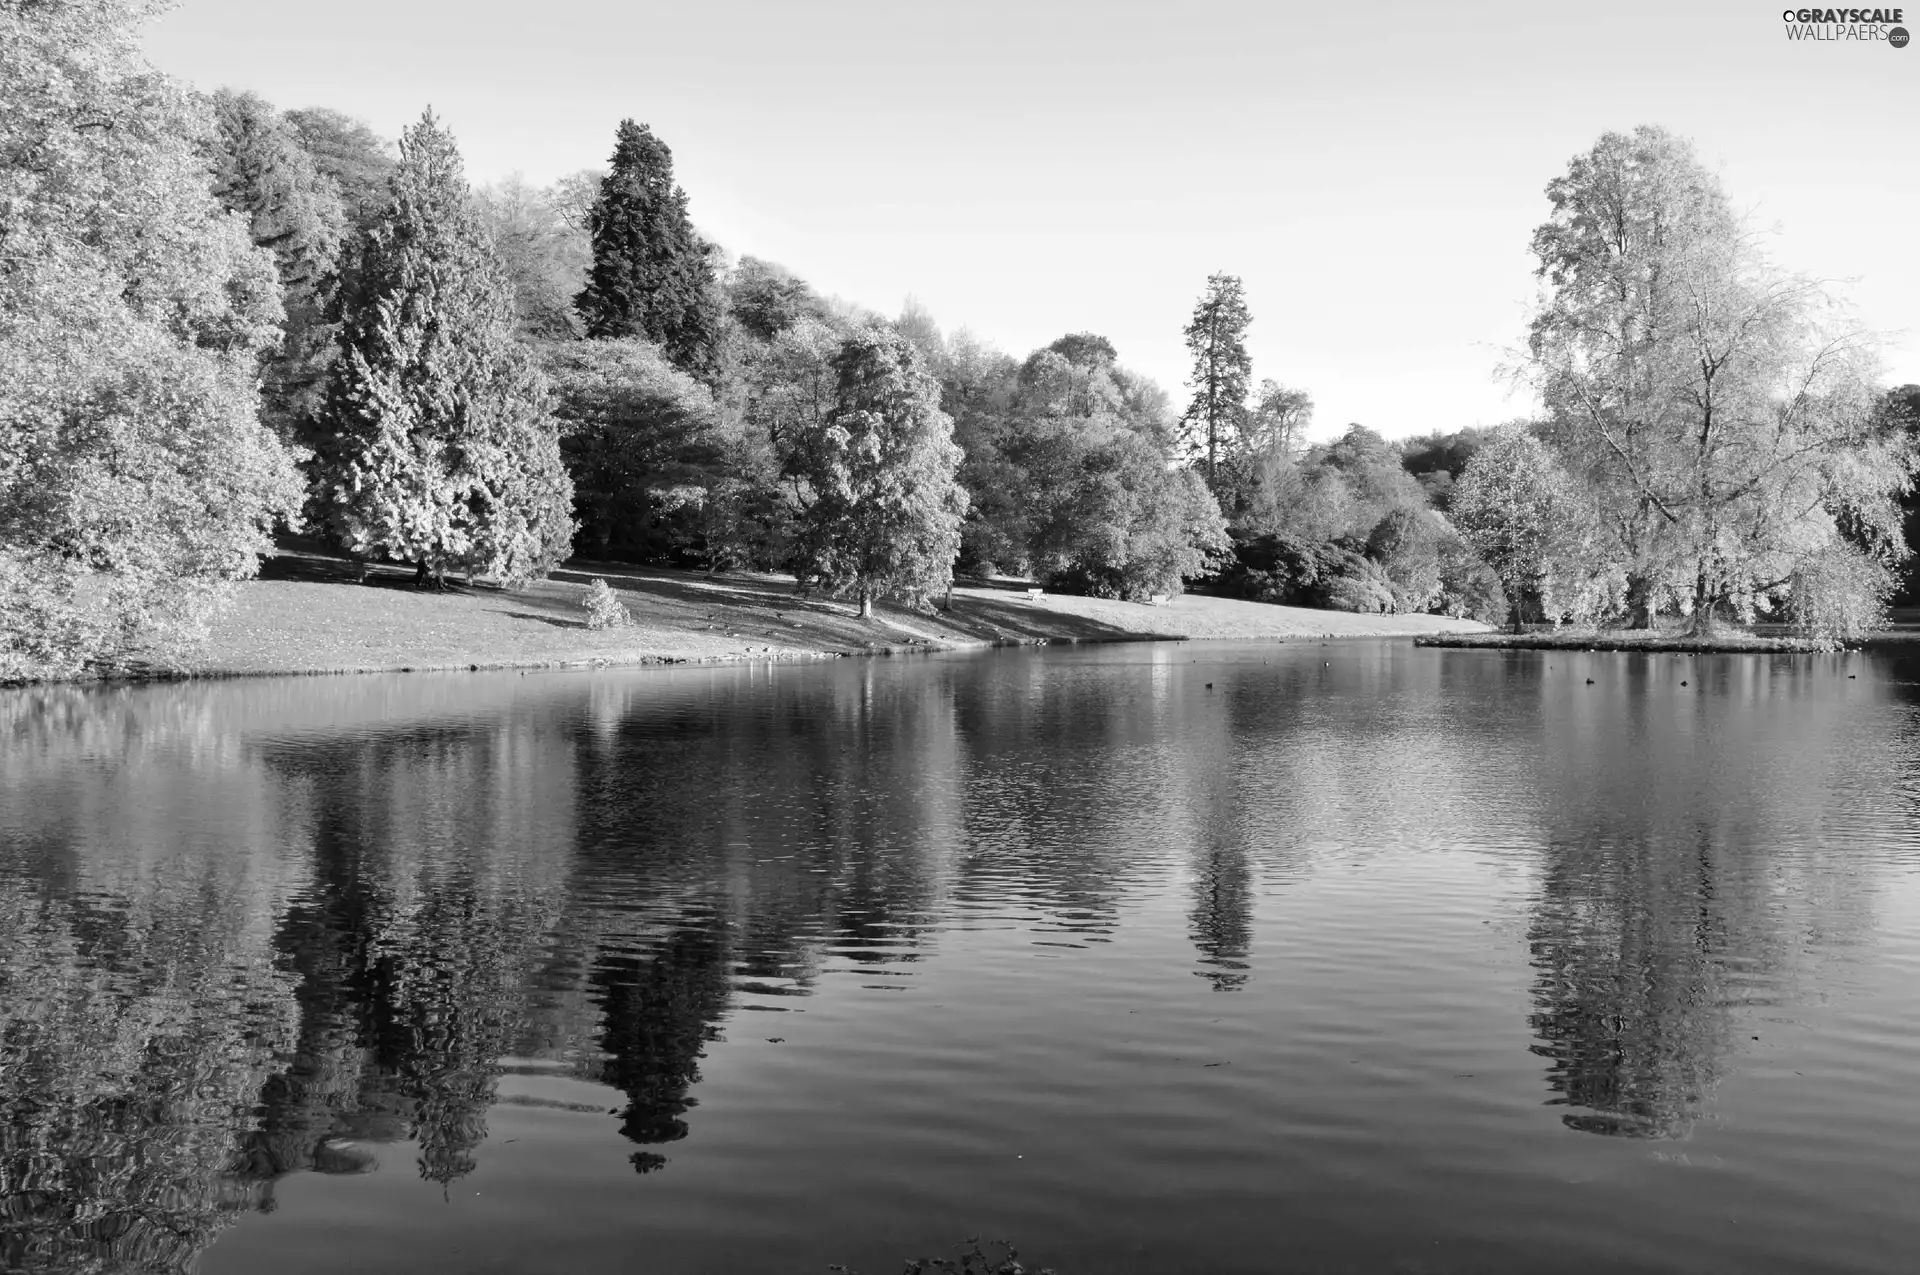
[(765, 299), (1521, 512), (883, 514), (136, 480), (357, 160), (639, 436), (1721, 410), (1260, 469), (542, 253), (1123, 523), (261, 171)]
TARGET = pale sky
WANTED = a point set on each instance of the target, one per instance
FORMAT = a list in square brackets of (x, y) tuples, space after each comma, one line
[(1024, 170)]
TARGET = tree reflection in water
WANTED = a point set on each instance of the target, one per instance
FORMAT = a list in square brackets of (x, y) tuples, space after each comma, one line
[(1681, 877), (261, 943), (1627, 945), (136, 1034)]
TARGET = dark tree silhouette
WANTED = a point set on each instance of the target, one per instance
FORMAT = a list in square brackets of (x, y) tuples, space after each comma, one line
[(651, 274)]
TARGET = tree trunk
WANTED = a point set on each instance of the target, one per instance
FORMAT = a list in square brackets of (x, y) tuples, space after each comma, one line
[(1703, 604), (866, 605), (1639, 601)]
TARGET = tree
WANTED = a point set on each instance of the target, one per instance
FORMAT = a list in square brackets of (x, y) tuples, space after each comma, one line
[(1900, 410), (1262, 460), (261, 171), (773, 397), (572, 198), (543, 254), (1720, 409), (1070, 470), (638, 435), (1125, 524), (1521, 513), (356, 159), (136, 480), (883, 516), (978, 385), (1217, 340), (651, 275), (445, 452), (1342, 489), (765, 299), (1437, 459), (916, 323)]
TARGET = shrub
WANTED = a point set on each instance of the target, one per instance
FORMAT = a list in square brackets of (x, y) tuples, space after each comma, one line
[(604, 610), (1366, 594), (1278, 568)]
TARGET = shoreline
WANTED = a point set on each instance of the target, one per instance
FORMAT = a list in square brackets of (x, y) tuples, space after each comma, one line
[(190, 673), (308, 615), (1648, 643)]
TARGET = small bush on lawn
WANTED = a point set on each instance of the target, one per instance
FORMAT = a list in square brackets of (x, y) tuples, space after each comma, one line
[(604, 610)]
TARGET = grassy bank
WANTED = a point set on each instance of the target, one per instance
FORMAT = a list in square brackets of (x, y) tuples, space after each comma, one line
[(1636, 641), (306, 614)]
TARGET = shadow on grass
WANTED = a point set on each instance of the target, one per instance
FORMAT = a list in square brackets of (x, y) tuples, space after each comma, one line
[(995, 620), (747, 599), (312, 567), (556, 621), (750, 603), (691, 589), (308, 568)]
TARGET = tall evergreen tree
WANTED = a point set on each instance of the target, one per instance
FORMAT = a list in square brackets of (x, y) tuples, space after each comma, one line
[(1222, 370), (885, 512), (651, 276), (446, 452)]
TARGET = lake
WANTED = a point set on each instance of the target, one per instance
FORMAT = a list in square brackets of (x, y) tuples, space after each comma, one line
[(1348, 957)]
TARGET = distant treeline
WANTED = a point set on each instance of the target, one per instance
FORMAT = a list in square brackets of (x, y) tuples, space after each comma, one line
[(220, 318)]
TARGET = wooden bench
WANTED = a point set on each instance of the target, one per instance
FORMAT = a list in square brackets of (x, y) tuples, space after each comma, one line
[(1034, 595), (1159, 600)]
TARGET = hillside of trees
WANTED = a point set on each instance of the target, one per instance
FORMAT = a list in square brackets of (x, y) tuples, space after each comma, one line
[(221, 319)]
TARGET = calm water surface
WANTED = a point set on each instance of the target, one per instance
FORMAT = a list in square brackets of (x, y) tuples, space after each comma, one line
[(1353, 957)]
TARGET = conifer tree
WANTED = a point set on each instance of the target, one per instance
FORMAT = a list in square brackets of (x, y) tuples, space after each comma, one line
[(885, 512), (1217, 340), (446, 453), (651, 274)]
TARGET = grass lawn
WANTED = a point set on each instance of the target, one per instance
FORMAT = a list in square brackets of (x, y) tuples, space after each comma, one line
[(307, 614)]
